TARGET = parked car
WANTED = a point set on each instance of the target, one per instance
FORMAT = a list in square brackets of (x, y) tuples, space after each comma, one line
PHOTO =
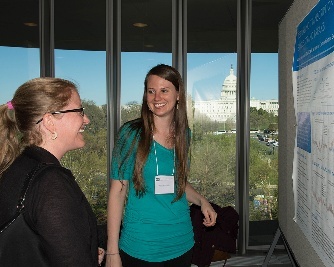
[(220, 132)]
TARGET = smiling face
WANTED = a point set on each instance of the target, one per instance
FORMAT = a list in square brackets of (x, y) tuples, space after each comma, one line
[(69, 127), (161, 96), (72, 125)]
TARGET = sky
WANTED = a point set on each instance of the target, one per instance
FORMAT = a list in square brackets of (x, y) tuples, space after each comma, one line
[(205, 77)]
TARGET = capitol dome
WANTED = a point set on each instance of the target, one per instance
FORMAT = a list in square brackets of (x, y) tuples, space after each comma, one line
[(231, 79), (225, 108), (229, 89)]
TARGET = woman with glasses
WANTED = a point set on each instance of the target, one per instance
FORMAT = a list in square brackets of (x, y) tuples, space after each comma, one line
[(150, 167), (44, 120)]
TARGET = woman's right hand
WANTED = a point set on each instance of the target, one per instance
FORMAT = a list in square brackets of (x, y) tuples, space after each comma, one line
[(113, 261)]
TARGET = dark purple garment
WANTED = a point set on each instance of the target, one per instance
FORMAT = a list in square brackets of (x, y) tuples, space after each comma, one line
[(222, 236)]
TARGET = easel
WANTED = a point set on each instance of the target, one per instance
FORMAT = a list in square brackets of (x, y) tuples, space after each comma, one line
[(279, 234)]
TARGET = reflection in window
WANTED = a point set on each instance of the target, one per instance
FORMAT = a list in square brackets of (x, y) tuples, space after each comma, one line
[(212, 117)]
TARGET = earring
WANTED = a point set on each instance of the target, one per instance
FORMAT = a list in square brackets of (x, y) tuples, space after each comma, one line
[(54, 136), (177, 104)]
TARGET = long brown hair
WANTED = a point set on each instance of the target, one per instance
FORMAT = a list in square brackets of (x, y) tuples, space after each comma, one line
[(182, 133), (18, 118)]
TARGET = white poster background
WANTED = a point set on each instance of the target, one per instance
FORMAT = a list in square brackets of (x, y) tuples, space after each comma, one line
[(313, 164)]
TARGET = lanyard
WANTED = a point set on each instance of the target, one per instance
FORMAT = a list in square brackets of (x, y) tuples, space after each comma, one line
[(156, 158)]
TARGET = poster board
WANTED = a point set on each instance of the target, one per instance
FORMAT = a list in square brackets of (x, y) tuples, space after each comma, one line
[(313, 163)]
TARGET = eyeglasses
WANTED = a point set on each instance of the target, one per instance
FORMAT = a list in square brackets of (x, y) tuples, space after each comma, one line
[(80, 110)]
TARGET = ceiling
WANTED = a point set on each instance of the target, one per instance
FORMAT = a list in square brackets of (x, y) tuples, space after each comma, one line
[(81, 25)]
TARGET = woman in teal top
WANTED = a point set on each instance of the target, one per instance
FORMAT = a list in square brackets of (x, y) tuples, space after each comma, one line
[(150, 165)]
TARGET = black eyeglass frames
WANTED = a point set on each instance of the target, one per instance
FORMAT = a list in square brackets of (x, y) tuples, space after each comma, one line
[(79, 110)]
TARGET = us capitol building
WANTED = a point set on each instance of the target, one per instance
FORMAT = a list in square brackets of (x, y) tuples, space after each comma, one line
[(224, 109)]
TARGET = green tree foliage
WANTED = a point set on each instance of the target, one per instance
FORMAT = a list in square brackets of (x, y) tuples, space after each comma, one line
[(130, 111), (97, 116), (261, 119), (213, 161), (213, 167), (213, 164), (89, 164), (263, 182)]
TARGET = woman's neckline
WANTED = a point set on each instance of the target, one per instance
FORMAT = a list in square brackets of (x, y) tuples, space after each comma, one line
[(168, 148)]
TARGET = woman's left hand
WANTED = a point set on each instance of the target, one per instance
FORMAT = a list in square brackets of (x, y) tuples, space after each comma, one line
[(210, 216)]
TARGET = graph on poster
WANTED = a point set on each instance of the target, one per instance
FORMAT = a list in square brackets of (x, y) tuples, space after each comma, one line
[(322, 138)]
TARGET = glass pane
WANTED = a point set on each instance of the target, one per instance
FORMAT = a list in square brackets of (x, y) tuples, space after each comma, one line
[(89, 165), (263, 154), (81, 58), (144, 45), (133, 80), (264, 137), (19, 46), (211, 85), (17, 65), (212, 90), (263, 172)]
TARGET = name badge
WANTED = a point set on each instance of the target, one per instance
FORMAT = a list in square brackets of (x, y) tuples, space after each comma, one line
[(164, 184)]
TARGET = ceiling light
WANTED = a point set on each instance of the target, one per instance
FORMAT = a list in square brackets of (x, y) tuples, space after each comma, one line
[(140, 24), (30, 24)]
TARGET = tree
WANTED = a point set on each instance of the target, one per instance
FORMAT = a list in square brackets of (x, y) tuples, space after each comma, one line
[(261, 119), (212, 169), (213, 172), (130, 111), (97, 116), (263, 182), (213, 162), (89, 164)]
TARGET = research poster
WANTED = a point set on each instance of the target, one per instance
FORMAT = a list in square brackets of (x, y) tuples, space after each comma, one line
[(313, 164)]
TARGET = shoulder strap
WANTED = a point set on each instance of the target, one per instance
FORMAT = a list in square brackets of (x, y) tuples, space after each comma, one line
[(28, 181), (26, 184)]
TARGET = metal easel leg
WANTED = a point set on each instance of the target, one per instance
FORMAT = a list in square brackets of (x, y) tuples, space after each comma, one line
[(272, 247)]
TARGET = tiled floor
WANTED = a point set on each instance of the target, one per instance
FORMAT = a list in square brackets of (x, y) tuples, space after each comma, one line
[(279, 258)]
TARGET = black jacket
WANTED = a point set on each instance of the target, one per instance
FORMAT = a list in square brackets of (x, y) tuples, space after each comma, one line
[(56, 209)]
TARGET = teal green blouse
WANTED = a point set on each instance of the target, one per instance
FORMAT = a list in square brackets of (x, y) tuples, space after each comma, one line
[(155, 228)]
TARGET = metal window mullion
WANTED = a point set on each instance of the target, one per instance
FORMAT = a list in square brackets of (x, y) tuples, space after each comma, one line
[(243, 133), (179, 37), (46, 38), (113, 75)]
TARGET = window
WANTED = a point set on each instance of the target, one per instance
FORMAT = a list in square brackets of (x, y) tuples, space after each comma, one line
[(87, 69), (213, 153), (139, 30)]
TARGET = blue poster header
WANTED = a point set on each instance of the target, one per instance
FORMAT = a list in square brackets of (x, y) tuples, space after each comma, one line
[(315, 35)]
